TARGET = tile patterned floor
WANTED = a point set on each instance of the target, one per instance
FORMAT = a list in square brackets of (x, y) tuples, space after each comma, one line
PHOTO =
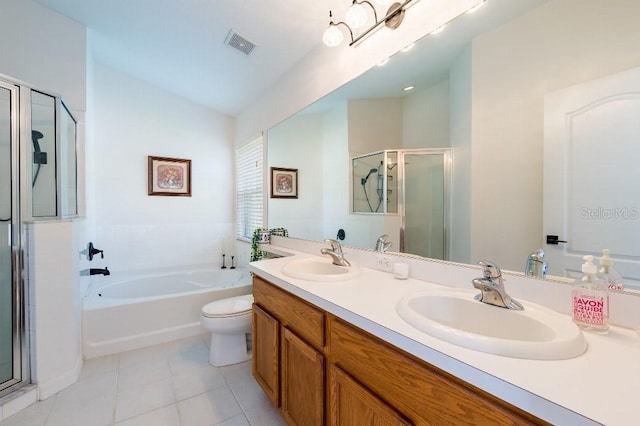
[(165, 385)]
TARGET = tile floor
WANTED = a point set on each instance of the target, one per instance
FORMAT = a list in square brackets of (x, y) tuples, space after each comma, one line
[(166, 385)]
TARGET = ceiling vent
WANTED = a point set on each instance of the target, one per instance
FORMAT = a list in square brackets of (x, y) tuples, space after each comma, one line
[(236, 41)]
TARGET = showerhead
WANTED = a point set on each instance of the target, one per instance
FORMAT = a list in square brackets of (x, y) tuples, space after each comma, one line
[(35, 137), (363, 181)]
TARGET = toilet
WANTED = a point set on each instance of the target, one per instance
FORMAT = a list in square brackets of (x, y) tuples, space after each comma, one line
[(229, 321)]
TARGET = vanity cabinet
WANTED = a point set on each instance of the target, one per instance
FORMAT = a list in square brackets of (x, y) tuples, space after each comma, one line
[(288, 353), (350, 403), (319, 369)]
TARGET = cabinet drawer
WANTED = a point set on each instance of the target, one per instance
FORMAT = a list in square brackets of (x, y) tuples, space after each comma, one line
[(423, 393), (307, 321)]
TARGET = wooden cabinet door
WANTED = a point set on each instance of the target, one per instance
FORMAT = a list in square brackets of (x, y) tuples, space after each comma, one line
[(302, 378), (266, 353), (352, 404)]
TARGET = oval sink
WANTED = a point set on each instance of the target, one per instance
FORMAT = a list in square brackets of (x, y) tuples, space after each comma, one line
[(319, 270), (455, 317)]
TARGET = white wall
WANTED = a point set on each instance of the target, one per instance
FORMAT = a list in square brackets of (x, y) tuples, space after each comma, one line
[(459, 229), (133, 120), (513, 67), (336, 177), (374, 125), (425, 117), (43, 48), (287, 149)]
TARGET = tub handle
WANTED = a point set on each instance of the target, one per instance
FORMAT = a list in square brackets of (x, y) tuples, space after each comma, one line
[(92, 251)]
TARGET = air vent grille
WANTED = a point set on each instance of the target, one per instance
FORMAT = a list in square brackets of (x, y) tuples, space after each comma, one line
[(238, 42)]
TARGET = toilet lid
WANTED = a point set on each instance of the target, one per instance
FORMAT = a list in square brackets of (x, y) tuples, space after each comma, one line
[(228, 307)]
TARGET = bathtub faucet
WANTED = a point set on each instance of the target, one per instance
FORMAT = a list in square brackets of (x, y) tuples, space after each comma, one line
[(98, 271)]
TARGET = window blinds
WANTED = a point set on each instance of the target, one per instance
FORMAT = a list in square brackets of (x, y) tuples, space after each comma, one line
[(249, 175)]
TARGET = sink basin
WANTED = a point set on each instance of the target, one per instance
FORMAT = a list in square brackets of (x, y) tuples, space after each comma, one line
[(455, 317), (319, 270)]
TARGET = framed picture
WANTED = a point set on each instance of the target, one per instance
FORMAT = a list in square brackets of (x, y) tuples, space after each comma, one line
[(169, 176), (284, 183)]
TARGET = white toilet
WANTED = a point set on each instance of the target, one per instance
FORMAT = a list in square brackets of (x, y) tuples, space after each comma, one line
[(229, 321)]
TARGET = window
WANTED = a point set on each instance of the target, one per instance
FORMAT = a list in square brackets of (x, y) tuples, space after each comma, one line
[(249, 175)]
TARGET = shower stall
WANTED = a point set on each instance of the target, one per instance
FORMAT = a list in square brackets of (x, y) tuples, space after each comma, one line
[(38, 181), (410, 188)]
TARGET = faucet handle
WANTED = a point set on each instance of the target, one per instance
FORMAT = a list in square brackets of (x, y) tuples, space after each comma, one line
[(490, 269), (335, 245)]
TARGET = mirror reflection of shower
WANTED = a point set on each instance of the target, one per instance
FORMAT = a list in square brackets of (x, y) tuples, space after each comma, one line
[(379, 178), (375, 183), (409, 196)]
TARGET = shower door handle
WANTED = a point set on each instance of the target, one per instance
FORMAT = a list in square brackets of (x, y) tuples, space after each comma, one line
[(9, 234)]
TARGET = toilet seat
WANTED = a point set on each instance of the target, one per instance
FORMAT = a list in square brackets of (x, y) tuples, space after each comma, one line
[(230, 307)]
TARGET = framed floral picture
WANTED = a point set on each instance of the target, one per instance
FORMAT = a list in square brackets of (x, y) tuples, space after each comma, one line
[(284, 183), (169, 176)]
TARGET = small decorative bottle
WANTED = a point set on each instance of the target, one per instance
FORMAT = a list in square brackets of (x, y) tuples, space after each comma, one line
[(591, 300), (611, 277)]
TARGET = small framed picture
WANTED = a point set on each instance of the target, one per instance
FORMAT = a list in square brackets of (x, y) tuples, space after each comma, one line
[(284, 183), (169, 176)]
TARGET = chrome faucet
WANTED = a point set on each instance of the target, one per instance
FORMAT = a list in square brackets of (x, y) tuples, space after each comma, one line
[(382, 245), (335, 252), (492, 289), (536, 266)]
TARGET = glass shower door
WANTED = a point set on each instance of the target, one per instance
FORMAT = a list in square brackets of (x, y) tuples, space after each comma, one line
[(6, 219), (425, 203)]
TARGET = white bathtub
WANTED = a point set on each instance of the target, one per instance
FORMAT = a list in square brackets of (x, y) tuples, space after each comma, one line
[(124, 313)]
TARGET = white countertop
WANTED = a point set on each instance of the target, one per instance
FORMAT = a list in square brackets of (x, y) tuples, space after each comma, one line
[(600, 386)]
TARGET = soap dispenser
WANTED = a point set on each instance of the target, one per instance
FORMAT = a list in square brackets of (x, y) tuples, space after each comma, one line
[(611, 277), (591, 299)]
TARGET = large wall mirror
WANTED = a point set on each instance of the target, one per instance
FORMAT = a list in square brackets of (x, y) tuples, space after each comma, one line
[(479, 90)]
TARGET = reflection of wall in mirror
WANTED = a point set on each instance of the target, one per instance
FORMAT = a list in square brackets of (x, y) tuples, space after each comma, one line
[(494, 106), (512, 68), (348, 130)]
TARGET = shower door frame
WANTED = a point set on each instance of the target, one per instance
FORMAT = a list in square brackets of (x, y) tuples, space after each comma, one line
[(19, 115), (447, 159)]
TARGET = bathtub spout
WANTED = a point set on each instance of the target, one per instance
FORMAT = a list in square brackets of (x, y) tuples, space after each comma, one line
[(98, 271)]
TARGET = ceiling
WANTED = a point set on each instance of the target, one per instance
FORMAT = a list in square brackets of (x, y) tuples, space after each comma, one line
[(179, 45)]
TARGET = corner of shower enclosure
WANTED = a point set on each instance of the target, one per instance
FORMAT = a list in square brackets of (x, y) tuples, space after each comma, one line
[(38, 157)]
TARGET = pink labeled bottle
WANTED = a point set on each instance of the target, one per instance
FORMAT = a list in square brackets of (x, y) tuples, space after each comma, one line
[(591, 299)]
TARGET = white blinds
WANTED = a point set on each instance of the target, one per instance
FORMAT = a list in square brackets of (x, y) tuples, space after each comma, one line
[(249, 175)]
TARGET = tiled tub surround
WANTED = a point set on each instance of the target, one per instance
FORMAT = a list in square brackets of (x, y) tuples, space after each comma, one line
[(560, 392), (125, 313), (170, 384)]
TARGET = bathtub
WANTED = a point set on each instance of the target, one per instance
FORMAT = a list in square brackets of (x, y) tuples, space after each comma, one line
[(125, 313)]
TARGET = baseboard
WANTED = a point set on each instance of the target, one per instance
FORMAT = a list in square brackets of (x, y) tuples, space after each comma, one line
[(51, 387)]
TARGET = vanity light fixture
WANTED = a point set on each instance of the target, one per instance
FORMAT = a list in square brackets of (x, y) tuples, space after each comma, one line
[(357, 17)]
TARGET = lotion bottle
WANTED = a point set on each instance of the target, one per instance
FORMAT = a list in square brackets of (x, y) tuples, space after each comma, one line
[(590, 299), (611, 277)]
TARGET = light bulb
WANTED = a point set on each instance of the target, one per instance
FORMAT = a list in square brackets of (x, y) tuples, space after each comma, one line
[(356, 16), (332, 36)]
